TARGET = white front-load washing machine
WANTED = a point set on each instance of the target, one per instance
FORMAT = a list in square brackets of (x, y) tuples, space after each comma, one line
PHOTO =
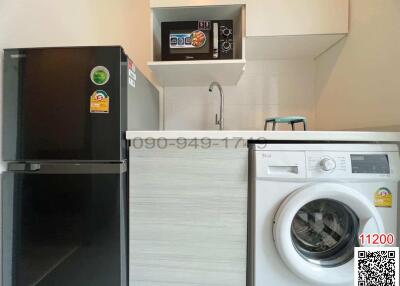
[(309, 204)]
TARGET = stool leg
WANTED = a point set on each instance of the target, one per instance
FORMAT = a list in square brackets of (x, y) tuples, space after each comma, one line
[(292, 123), (266, 125), (305, 125), (274, 125)]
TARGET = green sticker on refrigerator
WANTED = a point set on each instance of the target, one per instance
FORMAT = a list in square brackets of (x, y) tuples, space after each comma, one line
[(100, 75)]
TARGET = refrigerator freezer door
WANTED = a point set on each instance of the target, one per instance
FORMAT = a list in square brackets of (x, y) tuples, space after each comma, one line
[(48, 104), (64, 229)]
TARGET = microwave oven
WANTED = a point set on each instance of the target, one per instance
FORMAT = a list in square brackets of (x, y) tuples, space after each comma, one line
[(197, 40)]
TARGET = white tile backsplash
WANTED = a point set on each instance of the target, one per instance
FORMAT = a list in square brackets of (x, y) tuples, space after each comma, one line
[(267, 89)]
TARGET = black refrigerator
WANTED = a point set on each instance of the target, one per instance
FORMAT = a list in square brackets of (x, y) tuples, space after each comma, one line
[(65, 191)]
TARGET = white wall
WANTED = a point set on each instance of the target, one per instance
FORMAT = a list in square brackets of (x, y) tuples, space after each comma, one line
[(358, 81), (78, 22), (267, 88)]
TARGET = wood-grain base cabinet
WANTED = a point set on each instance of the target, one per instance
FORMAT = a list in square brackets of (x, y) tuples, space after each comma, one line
[(188, 215)]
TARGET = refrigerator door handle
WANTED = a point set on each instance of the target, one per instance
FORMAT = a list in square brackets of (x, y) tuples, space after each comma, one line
[(23, 167), (69, 168)]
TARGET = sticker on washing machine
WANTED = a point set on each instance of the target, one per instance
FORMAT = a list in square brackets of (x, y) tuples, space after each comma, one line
[(383, 198), (99, 102)]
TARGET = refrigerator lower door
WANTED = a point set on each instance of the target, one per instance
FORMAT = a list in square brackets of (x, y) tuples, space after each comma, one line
[(65, 229)]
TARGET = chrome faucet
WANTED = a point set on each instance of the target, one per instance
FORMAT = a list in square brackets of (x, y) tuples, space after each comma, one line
[(219, 121)]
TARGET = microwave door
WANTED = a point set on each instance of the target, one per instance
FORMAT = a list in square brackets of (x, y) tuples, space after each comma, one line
[(64, 227), (185, 41)]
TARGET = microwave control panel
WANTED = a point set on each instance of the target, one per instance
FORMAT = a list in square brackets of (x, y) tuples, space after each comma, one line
[(223, 43)]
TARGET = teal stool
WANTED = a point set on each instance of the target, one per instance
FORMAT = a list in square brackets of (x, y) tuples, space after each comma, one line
[(292, 120)]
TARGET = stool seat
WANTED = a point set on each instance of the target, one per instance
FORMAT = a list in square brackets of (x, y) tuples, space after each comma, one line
[(292, 120)]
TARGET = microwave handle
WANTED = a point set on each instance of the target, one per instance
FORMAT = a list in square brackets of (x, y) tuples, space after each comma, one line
[(215, 40)]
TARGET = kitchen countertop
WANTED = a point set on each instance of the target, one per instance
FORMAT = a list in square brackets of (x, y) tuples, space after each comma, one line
[(270, 135)]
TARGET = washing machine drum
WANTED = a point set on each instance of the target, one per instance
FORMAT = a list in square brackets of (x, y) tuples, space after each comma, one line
[(317, 227)]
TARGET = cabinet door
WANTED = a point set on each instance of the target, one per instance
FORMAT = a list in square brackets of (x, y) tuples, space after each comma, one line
[(188, 216), (296, 17)]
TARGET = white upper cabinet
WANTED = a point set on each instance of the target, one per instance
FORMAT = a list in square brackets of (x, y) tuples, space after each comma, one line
[(296, 17), (264, 29), (294, 28)]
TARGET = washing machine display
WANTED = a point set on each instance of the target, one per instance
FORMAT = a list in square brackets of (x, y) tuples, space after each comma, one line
[(370, 164), (308, 208)]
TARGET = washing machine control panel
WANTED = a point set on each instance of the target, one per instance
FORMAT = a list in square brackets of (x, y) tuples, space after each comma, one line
[(323, 161), (348, 165), (324, 164), (328, 164)]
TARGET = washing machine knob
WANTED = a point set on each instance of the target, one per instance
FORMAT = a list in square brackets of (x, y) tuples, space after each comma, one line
[(327, 164)]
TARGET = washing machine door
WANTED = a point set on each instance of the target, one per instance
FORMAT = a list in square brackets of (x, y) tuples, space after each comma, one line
[(317, 227)]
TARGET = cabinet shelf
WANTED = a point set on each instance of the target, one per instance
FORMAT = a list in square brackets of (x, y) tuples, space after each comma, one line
[(198, 73)]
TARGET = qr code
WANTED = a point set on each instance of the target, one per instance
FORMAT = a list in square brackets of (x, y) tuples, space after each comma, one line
[(376, 266)]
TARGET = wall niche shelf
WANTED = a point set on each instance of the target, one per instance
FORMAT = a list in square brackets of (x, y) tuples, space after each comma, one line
[(198, 72)]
